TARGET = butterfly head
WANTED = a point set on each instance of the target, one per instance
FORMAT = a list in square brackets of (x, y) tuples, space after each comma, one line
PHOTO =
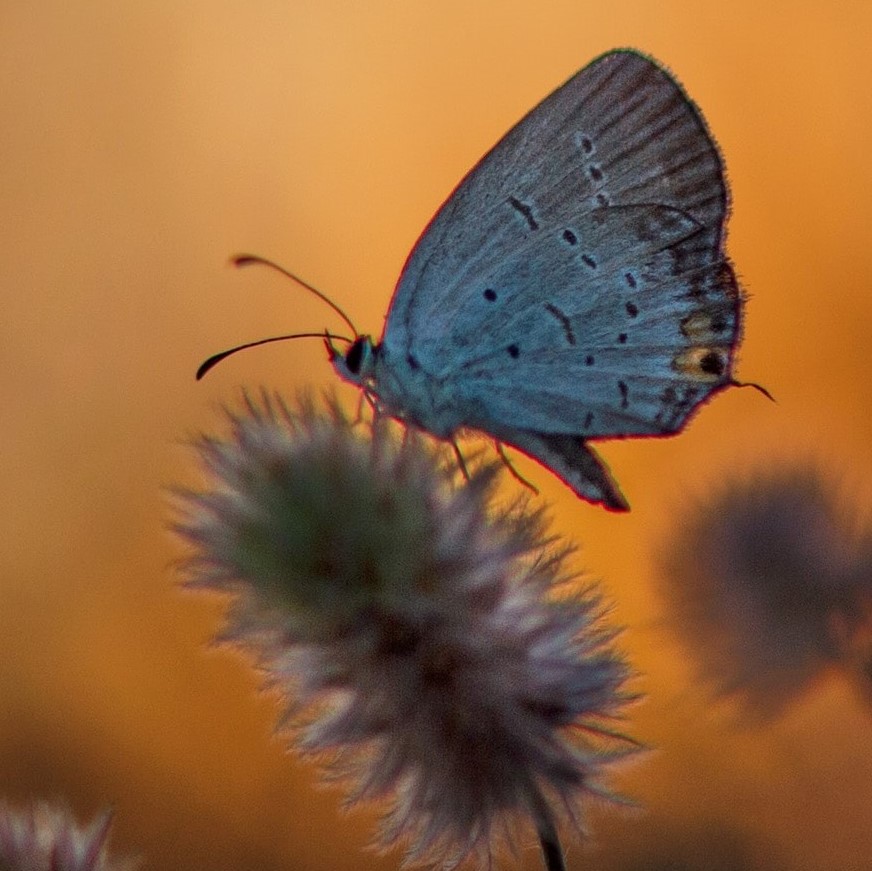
[(357, 363)]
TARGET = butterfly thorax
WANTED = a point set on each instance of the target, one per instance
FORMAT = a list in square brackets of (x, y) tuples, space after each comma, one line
[(400, 386)]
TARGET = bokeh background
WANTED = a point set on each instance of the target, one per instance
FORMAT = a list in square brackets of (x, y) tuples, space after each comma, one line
[(143, 143)]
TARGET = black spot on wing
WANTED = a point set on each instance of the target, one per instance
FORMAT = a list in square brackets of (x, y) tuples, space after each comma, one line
[(525, 211), (712, 363), (563, 318)]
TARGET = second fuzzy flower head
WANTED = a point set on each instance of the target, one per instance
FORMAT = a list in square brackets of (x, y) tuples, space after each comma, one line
[(430, 644), (769, 584)]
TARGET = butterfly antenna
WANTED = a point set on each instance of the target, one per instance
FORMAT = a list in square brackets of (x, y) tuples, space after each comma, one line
[(212, 361), (249, 259)]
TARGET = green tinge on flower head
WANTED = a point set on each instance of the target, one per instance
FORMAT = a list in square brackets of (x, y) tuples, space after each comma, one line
[(414, 632)]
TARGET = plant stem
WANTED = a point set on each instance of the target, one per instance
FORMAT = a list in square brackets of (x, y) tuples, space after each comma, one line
[(549, 840)]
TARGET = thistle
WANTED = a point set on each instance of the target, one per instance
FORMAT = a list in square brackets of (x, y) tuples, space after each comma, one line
[(428, 644)]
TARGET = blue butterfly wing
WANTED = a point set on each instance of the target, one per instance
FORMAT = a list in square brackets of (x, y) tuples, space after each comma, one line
[(575, 281)]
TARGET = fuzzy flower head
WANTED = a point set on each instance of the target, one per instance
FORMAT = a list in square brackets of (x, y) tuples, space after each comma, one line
[(47, 838), (767, 585), (414, 634)]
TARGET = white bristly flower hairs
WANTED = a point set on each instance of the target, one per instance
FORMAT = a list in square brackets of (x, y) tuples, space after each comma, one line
[(45, 837), (431, 644)]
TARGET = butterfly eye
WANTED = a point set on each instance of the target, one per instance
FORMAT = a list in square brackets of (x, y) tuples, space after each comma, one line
[(354, 357)]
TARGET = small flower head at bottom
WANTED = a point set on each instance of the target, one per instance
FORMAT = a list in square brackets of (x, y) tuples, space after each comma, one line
[(426, 643), (45, 837)]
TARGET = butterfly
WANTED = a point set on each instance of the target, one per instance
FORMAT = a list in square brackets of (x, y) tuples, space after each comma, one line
[(573, 287)]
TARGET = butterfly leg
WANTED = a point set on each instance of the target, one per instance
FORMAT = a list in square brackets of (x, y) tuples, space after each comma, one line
[(371, 401), (512, 470), (460, 461)]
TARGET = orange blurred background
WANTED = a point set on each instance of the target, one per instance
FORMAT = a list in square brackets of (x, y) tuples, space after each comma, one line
[(142, 144)]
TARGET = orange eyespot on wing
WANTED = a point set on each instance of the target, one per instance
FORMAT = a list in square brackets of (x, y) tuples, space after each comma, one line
[(703, 363)]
